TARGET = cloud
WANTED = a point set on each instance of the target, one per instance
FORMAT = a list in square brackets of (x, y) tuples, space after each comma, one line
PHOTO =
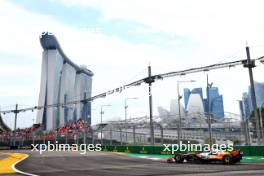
[(226, 24)]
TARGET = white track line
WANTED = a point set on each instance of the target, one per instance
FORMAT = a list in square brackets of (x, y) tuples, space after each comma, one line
[(20, 172)]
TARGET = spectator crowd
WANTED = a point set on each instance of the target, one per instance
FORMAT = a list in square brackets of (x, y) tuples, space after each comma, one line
[(70, 129)]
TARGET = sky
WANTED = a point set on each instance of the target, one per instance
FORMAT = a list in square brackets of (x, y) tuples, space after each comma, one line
[(117, 40)]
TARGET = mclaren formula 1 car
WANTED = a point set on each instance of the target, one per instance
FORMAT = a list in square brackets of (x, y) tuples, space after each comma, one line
[(213, 156)]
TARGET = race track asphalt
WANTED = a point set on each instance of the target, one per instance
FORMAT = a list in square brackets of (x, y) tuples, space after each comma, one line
[(115, 164)]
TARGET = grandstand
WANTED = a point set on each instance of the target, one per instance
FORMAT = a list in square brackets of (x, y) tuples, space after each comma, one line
[(26, 136)]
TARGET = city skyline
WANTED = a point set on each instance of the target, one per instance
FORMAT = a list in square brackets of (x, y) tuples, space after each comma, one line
[(121, 47), (194, 102), (245, 104), (215, 103)]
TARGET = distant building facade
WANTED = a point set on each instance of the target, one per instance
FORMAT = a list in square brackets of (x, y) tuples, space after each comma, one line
[(62, 81), (216, 103), (174, 109), (163, 113), (246, 106), (194, 102)]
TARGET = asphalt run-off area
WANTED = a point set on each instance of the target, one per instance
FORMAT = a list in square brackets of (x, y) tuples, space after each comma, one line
[(108, 163)]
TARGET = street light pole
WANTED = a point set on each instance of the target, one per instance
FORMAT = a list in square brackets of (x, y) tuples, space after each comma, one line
[(126, 106), (101, 112), (126, 117), (179, 108), (16, 111)]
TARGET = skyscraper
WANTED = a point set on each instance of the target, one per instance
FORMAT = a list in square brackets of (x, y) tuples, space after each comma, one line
[(259, 88), (215, 101), (242, 111), (186, 95), (217, 107), (62, 81), (198, 91), (247, 108)]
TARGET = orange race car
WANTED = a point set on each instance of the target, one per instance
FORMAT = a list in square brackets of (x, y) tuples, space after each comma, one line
[(215, 155)]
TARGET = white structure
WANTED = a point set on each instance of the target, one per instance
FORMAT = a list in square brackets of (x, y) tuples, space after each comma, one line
[(195, 104), (62, 81), (195, 110)]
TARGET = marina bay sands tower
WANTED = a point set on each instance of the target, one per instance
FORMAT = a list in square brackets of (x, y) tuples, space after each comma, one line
[(62, 81)]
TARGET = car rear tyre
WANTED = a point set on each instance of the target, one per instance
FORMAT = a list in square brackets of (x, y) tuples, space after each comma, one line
[(178, 158), (227, 159)]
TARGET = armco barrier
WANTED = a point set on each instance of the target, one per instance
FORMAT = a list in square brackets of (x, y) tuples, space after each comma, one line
[(247, 150), (137, 149)]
